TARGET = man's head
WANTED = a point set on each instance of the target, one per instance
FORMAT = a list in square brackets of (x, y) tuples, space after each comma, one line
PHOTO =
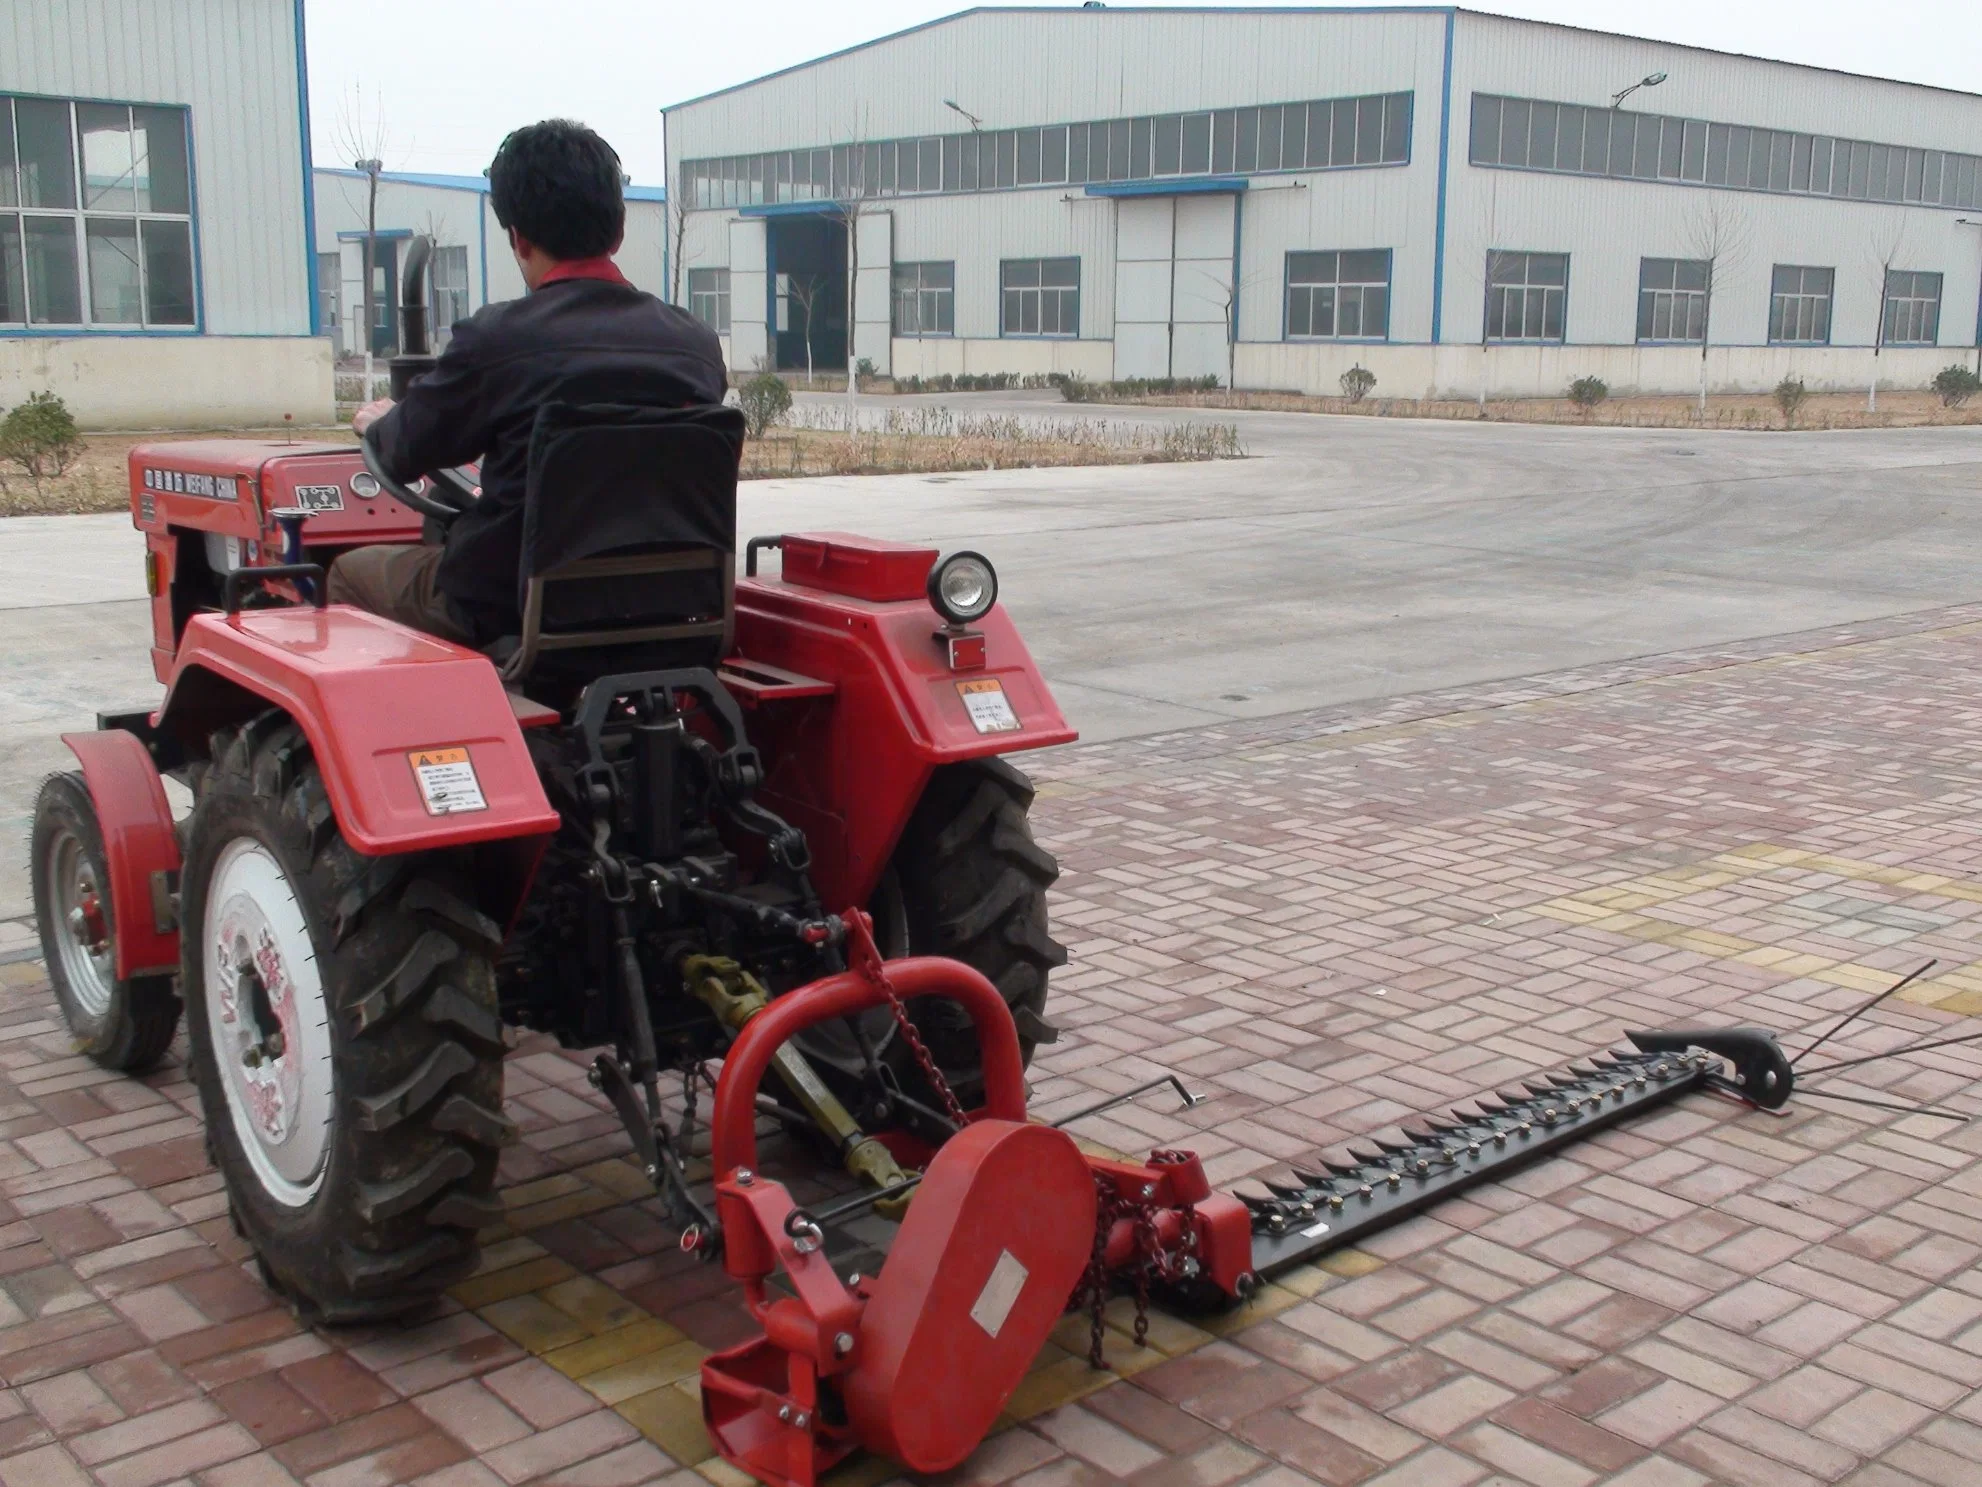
[(556, 189)]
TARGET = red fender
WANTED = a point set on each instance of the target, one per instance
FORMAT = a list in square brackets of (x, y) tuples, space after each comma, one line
[(416, 738), (140, 847)]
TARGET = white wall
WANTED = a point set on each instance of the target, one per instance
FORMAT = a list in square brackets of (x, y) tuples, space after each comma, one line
[(234, 62), (174, 382)]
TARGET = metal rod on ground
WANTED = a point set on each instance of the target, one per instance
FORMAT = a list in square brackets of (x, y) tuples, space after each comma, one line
[(1824, 1094), (1852, 1017), (1127, 1095), (1873, 1058)]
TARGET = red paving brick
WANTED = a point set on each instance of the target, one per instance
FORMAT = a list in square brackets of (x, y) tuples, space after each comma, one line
[(1328, 923)]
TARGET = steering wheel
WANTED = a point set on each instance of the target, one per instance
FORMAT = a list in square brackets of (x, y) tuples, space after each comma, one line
[(424, 500)]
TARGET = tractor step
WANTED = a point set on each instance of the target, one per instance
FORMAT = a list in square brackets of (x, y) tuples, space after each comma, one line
[(1300, 1221)]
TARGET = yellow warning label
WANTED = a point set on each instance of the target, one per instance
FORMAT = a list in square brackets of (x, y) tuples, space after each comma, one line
[(447, 780)]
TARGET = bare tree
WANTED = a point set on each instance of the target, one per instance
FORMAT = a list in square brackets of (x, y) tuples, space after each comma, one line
[(1718, 237), (363, 142), (850, 199), (1228, 291), (804, 293), (678, 234), (1886, 244)]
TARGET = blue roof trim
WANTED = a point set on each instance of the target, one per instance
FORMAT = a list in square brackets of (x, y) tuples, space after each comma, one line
[(314, 295), (358, 234), (477, 184), (1192, 186), (789, 209)]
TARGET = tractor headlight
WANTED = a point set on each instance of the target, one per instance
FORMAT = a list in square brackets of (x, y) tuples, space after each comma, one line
[(963, 587)]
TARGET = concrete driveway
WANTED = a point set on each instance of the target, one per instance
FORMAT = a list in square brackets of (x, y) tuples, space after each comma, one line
[(1350, 559)]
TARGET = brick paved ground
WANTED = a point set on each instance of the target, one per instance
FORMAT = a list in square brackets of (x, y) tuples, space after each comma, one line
[(1326, 923)]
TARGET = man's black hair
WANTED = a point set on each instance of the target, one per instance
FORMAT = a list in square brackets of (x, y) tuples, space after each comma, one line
[(558, 184)]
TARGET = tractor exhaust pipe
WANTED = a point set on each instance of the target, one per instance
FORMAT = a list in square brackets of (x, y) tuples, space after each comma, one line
[(415, 344)]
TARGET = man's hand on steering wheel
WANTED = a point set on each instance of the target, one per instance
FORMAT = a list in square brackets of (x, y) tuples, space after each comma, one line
[(442, 494)]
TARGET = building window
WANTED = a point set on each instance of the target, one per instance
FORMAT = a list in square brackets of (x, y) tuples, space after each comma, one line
[(1672, 299), (330, 268), (1913, 308), (96, 215), (1323, 134), (1800, 306), (1581, 139), (450, 290), (925, 299), (708, 298), (1527, 294), (1341, 296), (1041, 296)]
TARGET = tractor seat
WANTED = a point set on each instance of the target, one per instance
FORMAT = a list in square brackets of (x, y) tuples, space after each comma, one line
[(629, 542)]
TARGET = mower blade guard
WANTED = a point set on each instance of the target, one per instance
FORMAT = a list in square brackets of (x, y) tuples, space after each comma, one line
[(980, 1273)]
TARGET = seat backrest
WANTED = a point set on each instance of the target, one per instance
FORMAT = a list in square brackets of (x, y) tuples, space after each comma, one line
[(629, 534)]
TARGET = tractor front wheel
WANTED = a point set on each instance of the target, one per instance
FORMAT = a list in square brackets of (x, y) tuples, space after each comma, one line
[(126, 1023), (969, 882), (345, 1038)]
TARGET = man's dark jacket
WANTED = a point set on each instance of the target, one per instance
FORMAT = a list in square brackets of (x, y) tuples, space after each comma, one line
[(573, 341)]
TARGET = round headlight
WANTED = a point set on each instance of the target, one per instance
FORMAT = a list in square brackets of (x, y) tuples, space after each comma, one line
[(963, 587)]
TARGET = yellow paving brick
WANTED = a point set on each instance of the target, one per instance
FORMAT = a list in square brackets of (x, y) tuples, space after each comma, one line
[(861, 1470), (533, 1323), (1349, 1263), (664, 1367), (608, 1349), (557, 1210), (479, 1291), (22, 973), (1049, 1388), (1168, 1334), (507, 1253), (723, 1474), (1271, 1300), (1967, 1003), (617, 1175), (1309, 1281), (592, 1304), (1625, 924), (554, 1186), (1858, 978), (672, 1419)]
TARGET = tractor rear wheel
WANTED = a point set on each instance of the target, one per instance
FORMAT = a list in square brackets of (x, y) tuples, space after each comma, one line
[(124, 1024), (345, 1037), (968, 881)]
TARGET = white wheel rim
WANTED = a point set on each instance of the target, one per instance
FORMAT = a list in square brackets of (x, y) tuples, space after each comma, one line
[(82, 925), (280, 1094)]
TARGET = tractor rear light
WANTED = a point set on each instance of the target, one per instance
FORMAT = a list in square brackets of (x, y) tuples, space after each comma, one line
[(963, 587), (966, 648), (151, 574)]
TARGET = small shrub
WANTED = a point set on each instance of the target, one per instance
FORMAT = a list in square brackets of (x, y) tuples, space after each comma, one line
[(1357, 383), (1956, 385), (1587, 392), (864, 367), (41, 437), (1077, 389), (1790, 394), (765, 401)]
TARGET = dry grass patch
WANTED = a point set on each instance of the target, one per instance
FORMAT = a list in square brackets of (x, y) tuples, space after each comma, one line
[(1824, 410)]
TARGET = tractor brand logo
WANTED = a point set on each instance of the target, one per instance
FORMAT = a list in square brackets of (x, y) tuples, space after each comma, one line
[(193, 483)]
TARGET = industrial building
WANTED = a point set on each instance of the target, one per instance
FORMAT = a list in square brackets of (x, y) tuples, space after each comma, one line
[(1455, 201), (472, 264), (155, 264)]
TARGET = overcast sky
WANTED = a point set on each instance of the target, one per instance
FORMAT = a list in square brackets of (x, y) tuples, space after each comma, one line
[(450, 77)]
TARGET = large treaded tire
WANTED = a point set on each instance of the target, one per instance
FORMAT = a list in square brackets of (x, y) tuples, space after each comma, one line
[(971, 884), (125, 1025), (406, 968)]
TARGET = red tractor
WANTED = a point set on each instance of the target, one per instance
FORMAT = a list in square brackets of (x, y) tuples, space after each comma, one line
[(681, 816)]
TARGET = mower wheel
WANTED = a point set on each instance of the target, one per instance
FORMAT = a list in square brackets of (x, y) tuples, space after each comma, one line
[(345, 1037), (124, 1025), (968, 881)]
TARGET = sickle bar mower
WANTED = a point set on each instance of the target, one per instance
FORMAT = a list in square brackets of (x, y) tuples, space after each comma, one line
[(1012, 1226)]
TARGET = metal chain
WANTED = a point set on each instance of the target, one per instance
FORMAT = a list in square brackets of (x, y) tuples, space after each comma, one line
[(864, 957), (1093, 1291)]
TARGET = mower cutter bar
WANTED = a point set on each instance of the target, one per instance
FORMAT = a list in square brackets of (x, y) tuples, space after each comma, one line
[(1320, 1212)]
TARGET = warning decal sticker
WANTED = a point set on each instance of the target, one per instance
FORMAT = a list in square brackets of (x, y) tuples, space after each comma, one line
[(990, 710), (447, 779), (1000, 1293)]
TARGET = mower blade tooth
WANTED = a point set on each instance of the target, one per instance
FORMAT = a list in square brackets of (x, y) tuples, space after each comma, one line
[(1444, 1127), (1564, 1081), (1367, 1159), (1394, 1148), (1257, 1204), (1342, 1169), (1312, 1180), (1538, 1090), (1286, 1194)]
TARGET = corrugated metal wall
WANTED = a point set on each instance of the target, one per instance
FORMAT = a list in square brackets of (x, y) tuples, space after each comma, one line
[(234, 63)]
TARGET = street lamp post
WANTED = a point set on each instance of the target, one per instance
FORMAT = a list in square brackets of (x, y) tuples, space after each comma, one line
[(1650, 80)]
